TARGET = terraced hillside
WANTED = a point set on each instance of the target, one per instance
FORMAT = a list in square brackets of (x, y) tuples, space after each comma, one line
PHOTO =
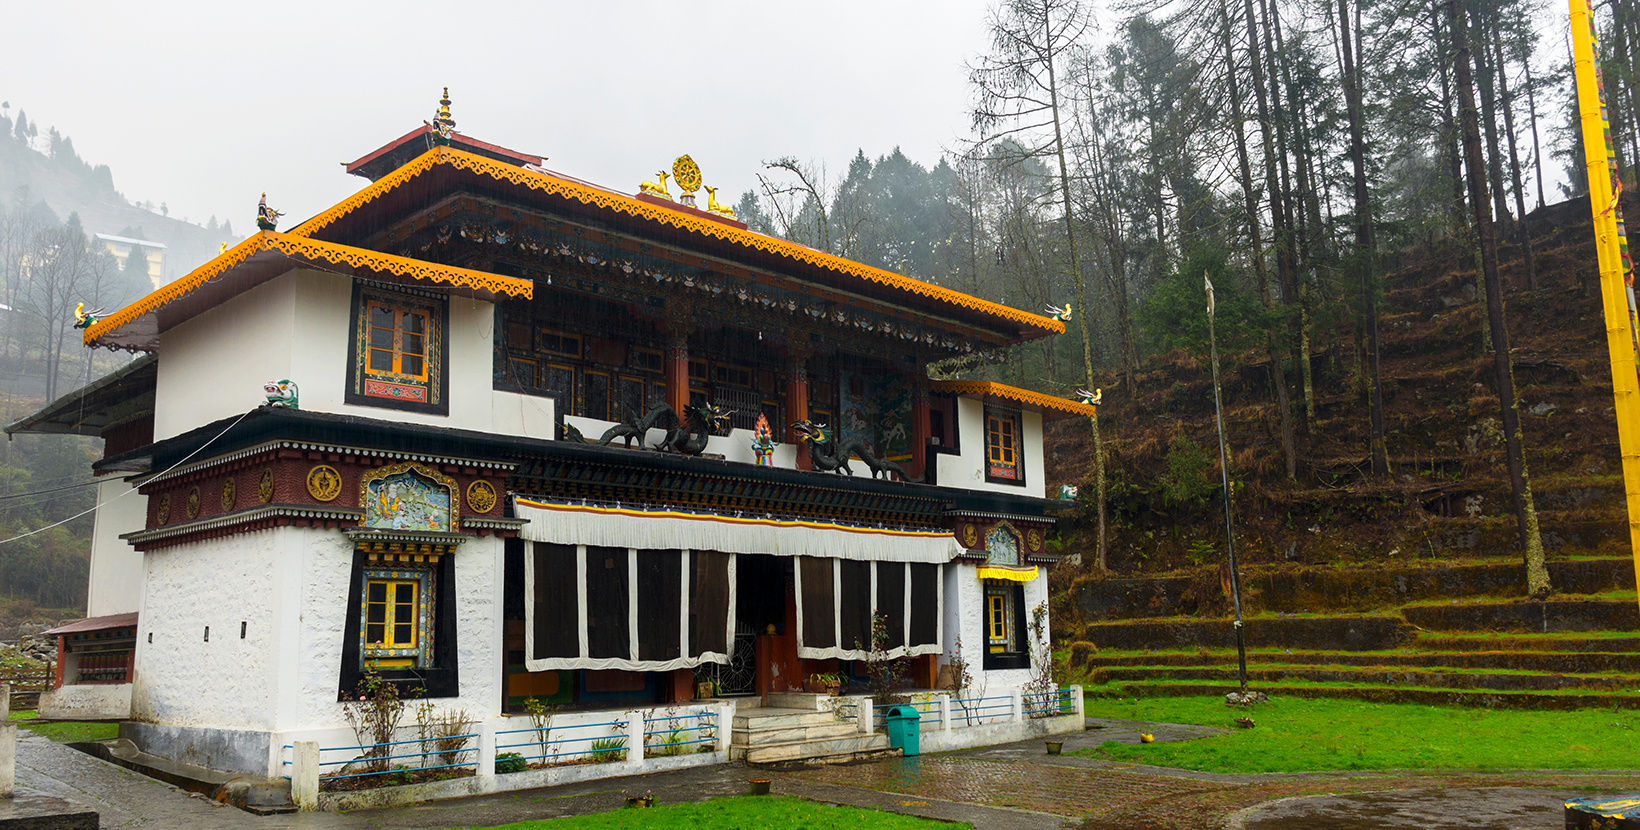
[(1468, 648), (1408, 586), (1448, 495)]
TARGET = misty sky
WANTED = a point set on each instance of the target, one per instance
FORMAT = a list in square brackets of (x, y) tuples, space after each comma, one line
[(206, 105)]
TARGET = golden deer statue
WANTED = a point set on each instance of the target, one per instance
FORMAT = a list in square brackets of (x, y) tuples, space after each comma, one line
[(657, 189), (713, 206)]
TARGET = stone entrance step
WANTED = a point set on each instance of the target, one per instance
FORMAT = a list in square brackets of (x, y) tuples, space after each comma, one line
[(801, 728)]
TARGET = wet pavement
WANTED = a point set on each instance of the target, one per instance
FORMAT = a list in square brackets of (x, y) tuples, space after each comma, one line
[(1006, 787), (1492, 808)]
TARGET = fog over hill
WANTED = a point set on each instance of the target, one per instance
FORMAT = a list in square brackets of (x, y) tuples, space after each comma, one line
[(46, 163)]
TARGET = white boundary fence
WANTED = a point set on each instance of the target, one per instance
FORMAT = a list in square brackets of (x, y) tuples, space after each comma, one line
[(576, 746), (948, 721)]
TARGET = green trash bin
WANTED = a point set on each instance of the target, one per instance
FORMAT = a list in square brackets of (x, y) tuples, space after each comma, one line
[(904, 728)]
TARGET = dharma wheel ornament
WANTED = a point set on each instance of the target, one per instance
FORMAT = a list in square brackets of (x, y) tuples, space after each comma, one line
[(687, 174)]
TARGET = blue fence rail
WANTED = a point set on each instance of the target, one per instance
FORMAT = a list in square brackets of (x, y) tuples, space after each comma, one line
[(976, 711), (677, 729), (381, 755), (928, 711), (552, 737), (1047, 704)]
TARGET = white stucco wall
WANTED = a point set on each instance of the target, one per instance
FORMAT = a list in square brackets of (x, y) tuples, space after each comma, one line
[(115, 582), (182, 679), (290, 586), (215, 364), (527, 416), (967, 470), (319, 357), (965, 618), (296, 326)]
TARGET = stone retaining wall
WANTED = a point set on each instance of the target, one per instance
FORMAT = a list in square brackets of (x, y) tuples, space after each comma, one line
[(1535, 617), (1321, 590), (1339, 633)]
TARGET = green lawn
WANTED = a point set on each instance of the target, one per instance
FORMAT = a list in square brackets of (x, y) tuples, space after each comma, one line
[(68, 731), (740, 813), (1309, 735)]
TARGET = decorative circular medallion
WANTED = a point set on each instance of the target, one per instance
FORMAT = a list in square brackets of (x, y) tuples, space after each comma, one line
[(264, 488), (163, 514), (970, 535), (1033, 539), (481, 496), (324, 483), (193, 503), (230, 493), (686, 173)]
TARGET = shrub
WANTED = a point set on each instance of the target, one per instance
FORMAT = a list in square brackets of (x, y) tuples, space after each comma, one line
[(1081, 650), (510, 762)]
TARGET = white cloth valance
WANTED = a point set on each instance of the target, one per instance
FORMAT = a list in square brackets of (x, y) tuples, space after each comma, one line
[(631, 527)]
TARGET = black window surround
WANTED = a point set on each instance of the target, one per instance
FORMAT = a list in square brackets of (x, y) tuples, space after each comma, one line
[(441, 679)]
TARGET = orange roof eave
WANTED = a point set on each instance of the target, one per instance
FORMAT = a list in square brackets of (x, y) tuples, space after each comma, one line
[(1059, 407), (311, 250), (610, 200)]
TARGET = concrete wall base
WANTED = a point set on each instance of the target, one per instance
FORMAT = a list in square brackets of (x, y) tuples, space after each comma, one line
[(87, 702), (967, 737), (225, 750), (529, 779)]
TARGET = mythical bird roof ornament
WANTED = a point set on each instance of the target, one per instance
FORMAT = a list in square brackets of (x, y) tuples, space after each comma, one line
[(86, 319), (267, 218)]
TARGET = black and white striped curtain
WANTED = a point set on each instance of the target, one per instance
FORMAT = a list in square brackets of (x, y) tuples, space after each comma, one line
[(596, 607), (836, 598)]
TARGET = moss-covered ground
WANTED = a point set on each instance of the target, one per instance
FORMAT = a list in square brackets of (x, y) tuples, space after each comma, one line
[(1313, 735)]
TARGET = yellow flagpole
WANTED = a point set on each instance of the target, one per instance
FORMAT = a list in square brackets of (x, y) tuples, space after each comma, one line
[(1616, 269)]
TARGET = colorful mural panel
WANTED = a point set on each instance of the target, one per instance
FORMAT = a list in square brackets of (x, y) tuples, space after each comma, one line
[(877, 409), (408, 497)]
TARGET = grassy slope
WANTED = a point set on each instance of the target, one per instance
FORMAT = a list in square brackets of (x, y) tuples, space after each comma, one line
[(68, 731), (1299, 735)]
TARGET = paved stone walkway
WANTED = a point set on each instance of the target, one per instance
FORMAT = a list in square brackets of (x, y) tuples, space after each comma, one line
[(1008, 787)]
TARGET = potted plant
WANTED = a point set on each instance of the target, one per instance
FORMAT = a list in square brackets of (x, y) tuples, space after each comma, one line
[(703, 689), (823, 684)]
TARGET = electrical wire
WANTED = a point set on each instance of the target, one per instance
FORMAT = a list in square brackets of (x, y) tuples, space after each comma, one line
[(95, 508)]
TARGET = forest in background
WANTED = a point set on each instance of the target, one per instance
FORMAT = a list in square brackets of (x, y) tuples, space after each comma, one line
[(1288, 150), (52, 204)]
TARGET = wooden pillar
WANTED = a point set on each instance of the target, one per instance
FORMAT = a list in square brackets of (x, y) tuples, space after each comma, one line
[(921, 429), (681, 686), (677, 367), (797, 402)]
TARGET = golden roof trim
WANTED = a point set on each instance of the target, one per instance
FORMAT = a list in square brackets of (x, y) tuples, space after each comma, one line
[(610, 200), (313, 250), (1012, 393)]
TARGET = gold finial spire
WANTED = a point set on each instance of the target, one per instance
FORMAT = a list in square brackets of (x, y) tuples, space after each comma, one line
[(444, 111)]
